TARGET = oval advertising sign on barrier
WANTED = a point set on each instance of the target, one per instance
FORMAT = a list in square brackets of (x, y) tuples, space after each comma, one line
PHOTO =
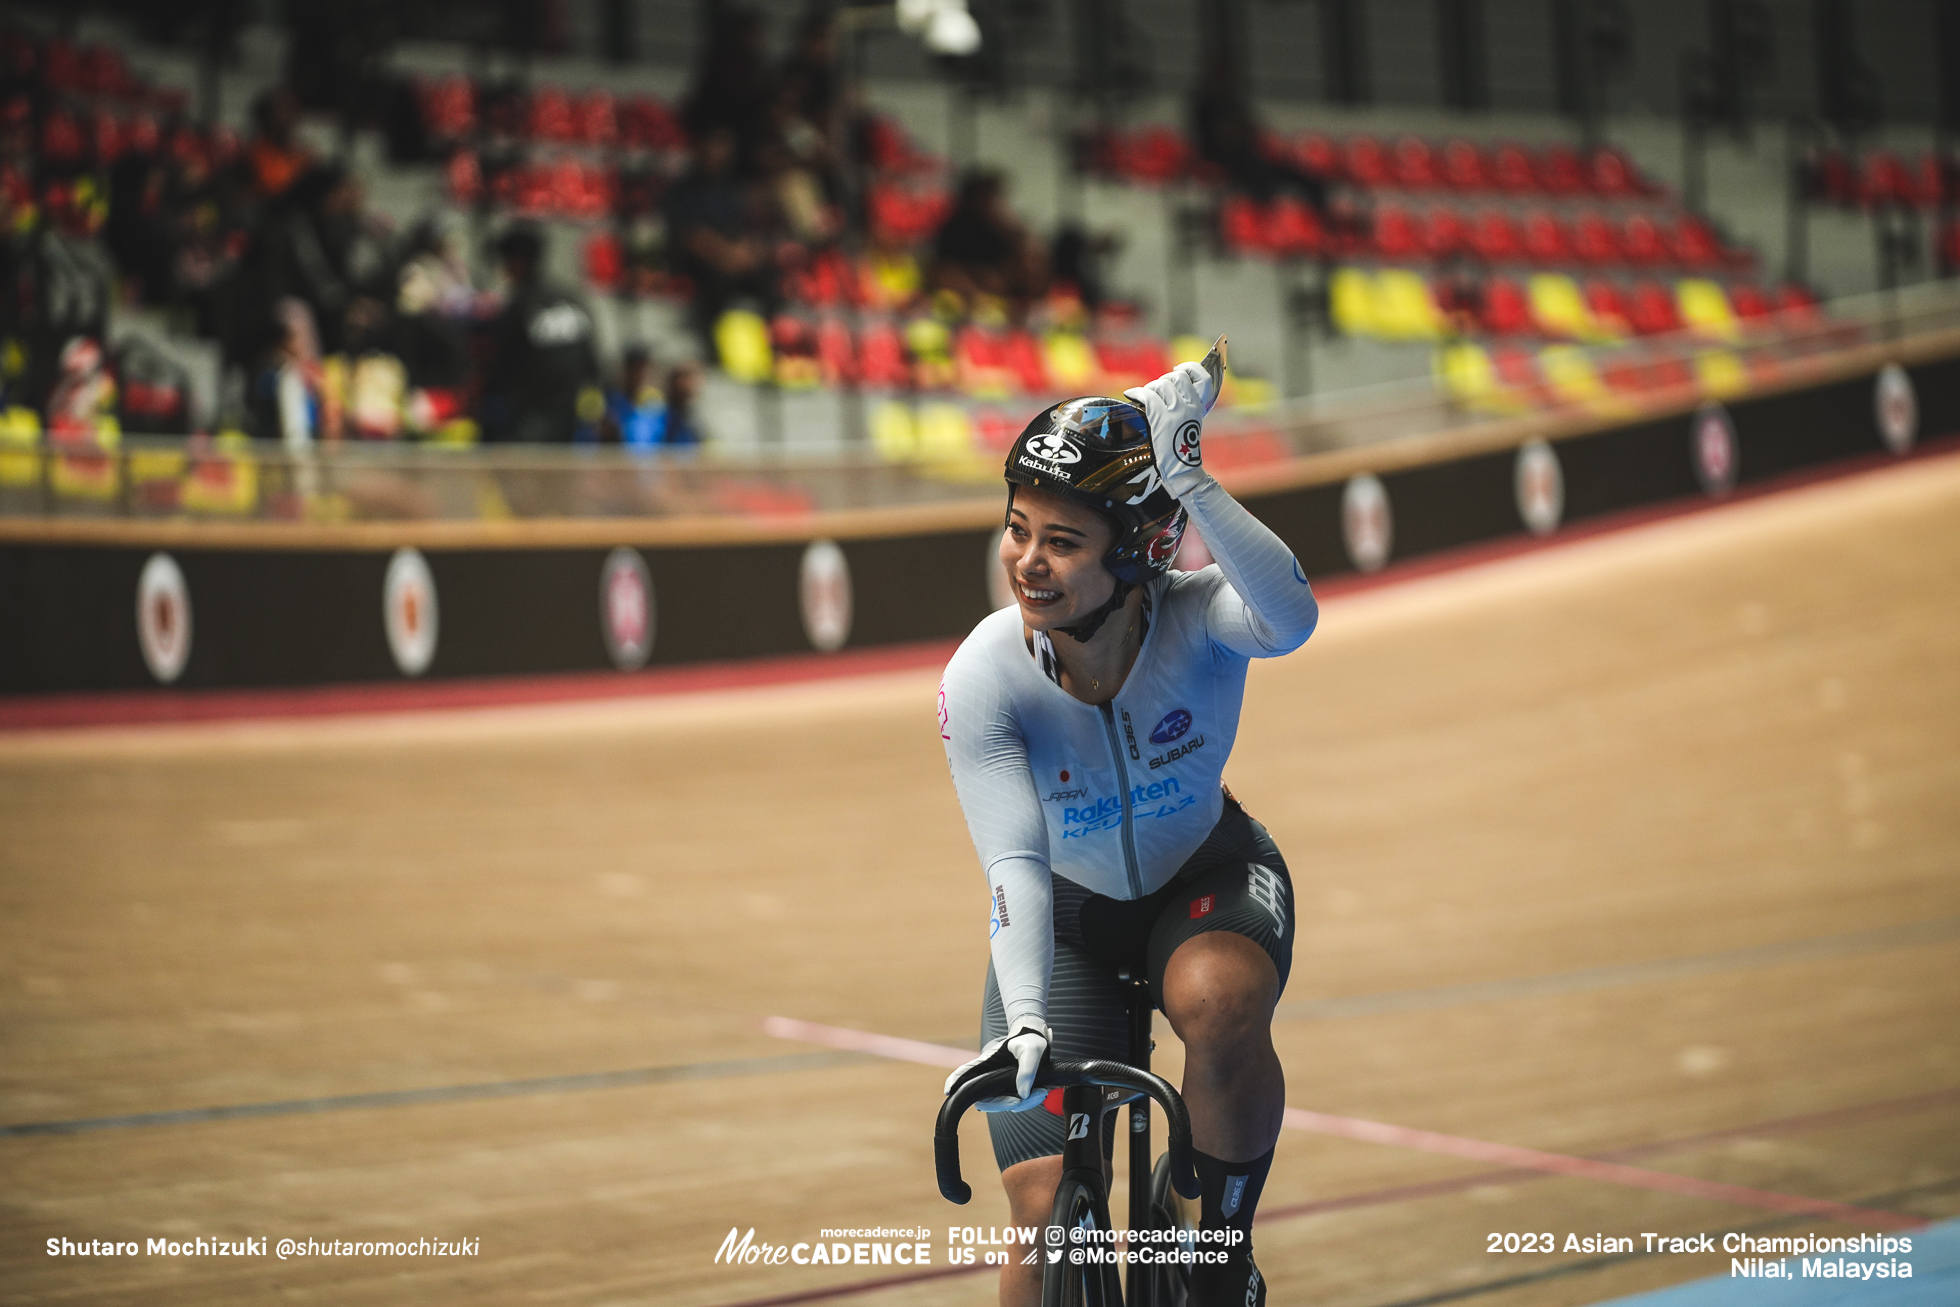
[(1539, 486), (408, 608), (163, 618), (1717, 456), (626, 611), (824, 594), (1367, 524), (1896, 406)]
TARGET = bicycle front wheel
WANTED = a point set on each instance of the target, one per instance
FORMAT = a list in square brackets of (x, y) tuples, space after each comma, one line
[(1075, 1275)]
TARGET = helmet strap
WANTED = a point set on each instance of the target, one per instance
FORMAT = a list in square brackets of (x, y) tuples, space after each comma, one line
[(1085, 630)]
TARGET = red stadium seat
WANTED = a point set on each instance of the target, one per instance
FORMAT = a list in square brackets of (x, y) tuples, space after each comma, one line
[(1936, 180), (836, 353), (1595, 241), (1155, 155), (1242, 226), (549, 117), (1368, 163), (1695, 243), (1887, 180), (1495, 237), (1293, 228), (595, 118), (1641, 240), (1510, 170), (1613, 176), (1749, 302), (1445, 234), (1560, 171), (1415, 163), (1398, 233), (1317, 155), (1463, 166), (1833, 178), (1609, 306), (1026, 362), (882, 364), (1796, 301), (1506, 310), (1652, 310), (1545, 238)]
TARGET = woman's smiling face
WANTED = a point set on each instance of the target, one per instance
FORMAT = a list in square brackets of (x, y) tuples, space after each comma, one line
[(1053, 550)]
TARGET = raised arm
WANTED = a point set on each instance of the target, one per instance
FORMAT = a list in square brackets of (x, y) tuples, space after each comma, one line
[(1269, 608)]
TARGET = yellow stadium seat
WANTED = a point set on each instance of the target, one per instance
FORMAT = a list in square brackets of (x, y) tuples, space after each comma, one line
[(1351, 302), (1470, 378), (1722, 374), (1071, 363), (20, 447), (1404, 309), (1560, 310), (1706, 310), (893, 433), (742, 340)]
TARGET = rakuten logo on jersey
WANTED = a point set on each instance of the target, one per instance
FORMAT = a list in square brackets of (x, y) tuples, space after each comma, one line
[(1157, 799)]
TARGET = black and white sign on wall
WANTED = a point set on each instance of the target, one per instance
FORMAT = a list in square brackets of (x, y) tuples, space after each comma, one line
[(1539, 485), (163, 618), (1367, 524), (408, 608), (1896, 406), (1713, 445), (824, 594), (627, 614)]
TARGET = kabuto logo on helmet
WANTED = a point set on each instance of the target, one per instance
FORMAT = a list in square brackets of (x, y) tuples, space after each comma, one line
[(1055, 448)]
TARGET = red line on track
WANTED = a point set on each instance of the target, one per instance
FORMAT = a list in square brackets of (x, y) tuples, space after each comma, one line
[(153, 707), (144, 707)]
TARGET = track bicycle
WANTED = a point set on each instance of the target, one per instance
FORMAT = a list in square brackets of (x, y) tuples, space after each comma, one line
[(1162, 1197)]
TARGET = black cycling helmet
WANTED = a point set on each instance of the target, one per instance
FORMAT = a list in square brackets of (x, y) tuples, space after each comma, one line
[(1096, 451)]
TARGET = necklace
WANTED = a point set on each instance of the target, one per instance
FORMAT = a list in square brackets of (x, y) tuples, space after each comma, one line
[(1094, 684)]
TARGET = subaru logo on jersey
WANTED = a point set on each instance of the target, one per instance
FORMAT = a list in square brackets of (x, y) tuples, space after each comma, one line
[(1055, 448), (1176, 722)]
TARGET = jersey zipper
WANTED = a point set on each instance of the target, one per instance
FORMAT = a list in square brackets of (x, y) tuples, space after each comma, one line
[(1123, 784)]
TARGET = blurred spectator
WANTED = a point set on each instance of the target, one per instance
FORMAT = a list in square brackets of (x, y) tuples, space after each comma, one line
[(809, 74), (84, 394), (285, 396), (1076, 258), (719, 230), (541, 382), (277, 157), (1228, 135), (640, 415), (731, 82), (983, 250)]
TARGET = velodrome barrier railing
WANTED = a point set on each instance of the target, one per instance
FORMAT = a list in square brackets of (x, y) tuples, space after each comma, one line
[(1500, 392), (370, 564)]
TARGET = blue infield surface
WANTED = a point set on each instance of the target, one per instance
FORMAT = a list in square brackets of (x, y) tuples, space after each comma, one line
[(1935, 1282)]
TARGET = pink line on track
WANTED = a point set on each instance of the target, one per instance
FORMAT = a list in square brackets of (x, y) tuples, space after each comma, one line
[(1396, 1136), (146, 707)]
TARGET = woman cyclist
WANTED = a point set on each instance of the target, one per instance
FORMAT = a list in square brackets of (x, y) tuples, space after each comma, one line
[(1087, 728)]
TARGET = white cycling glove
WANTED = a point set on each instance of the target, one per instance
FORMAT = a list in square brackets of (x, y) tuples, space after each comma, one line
[(1021, 1048), (1175, 404)]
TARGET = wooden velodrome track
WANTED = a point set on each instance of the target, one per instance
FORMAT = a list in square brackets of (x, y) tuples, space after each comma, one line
[(1643, 846)]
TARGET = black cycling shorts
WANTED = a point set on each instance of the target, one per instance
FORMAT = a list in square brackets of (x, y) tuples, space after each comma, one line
[(1236, 881)]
